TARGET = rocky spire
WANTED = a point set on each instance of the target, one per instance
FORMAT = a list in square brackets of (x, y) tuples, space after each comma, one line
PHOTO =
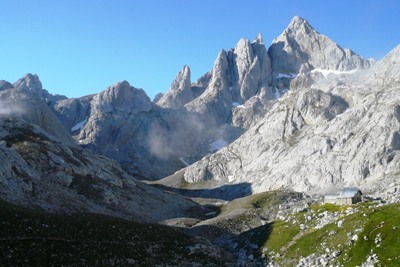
[(244, 58), (179, 93), (237, 76), (259, 39), (220, 64), (182, 80)]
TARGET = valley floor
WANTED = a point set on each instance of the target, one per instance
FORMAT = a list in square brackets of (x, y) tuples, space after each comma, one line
[(277, 228)]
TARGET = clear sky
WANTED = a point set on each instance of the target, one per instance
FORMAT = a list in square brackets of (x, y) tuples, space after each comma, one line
[(80, 47)]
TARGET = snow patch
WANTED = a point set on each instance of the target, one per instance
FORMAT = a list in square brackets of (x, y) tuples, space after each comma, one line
[(277, 93), (283, 75), (79, 126), (335, 72), (217, 145), (237, 105)]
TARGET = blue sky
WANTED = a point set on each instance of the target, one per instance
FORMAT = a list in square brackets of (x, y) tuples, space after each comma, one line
[(82, 47)]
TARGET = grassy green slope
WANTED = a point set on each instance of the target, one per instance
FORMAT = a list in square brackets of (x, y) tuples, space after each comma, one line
[(371, 229), (345, 236)]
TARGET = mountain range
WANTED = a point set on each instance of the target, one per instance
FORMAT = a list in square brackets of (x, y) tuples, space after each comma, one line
[(301, 115)]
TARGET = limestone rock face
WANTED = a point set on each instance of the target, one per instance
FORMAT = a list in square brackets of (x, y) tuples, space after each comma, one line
[(317, 107), (387, 71), (39, 170), (25, 102), (300, 43), (254, 109), (148, 141), (237, 75), (180, 92), (72, 112), (122, 98), (282, 123), (30, 83), (122, 123), (4, 85), (303, 80), (215, 103), (157, 97), (201, 84), (344, 133), (42, 166)]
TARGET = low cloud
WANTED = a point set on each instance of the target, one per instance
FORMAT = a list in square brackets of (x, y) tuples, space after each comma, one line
[(180, 136), (10, 109)]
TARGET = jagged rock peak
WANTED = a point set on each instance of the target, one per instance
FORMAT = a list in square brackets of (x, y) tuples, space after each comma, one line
[(222, 54), (298, 22), (180, 92), (30, 82), (393, 55), (185, 71), (221, 63), (243, 43), (387, 70), (4, 85), (118, 90), (122, 96), (300, 43), (182, 80), (259, 39), (244, 56), (237, 76), (121, 85)]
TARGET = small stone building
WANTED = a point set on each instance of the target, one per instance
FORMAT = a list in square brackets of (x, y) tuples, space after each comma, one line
[(345, 196)]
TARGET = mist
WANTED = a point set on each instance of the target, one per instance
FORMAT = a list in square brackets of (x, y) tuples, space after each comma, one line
[(179, 136), (11, 109)]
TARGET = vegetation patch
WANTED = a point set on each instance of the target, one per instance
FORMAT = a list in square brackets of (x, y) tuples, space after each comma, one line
[(282, 233), (356, 233)]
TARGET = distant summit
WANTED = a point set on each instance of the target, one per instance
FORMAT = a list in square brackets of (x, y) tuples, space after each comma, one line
[(300, 43)]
